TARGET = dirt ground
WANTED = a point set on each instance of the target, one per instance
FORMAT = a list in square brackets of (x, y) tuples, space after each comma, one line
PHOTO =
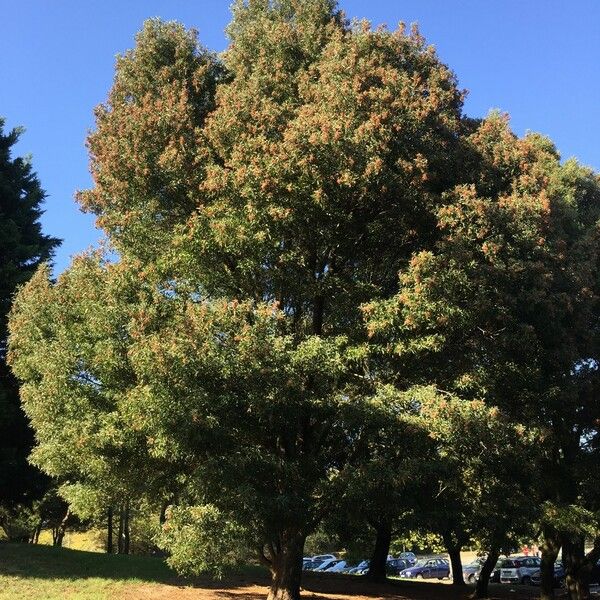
[(324, 587)]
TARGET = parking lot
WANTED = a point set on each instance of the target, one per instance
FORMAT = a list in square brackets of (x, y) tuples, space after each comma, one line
[(517, 575)]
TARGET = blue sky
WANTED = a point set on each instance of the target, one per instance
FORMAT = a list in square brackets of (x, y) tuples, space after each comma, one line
[(538, 60)]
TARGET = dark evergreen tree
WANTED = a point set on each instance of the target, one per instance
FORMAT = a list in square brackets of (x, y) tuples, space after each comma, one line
[(23, 247)]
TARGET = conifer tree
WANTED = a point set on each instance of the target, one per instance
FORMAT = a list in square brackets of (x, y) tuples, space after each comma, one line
[(23, 247)]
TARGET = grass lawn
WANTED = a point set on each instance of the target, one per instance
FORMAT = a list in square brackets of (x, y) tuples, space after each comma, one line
[(39, 571), (36, 572)]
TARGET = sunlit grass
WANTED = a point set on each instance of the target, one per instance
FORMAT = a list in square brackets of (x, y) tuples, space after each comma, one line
[(30, 571), (90, 540)]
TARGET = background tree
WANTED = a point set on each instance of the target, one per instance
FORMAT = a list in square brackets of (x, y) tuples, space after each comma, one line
[(385, 494), (69, 344), (23, 247), (505, 307), (490, 459)]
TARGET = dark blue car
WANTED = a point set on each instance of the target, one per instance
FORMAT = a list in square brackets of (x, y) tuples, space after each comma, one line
[(472, 570), (427, 568)]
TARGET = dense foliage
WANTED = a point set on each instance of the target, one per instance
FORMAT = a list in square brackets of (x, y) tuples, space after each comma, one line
[(324, 270)]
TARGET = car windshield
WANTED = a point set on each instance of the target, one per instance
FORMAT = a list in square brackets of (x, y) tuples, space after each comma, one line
[(510, 564), (422, 562)]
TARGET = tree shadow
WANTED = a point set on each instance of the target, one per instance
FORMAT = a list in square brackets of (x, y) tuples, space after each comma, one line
[(47, 562)]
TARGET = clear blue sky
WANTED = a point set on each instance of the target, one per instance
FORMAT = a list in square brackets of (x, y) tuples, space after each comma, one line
[(538, 60)]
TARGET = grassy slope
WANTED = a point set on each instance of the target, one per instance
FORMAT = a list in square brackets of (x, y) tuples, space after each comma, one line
[(39, 572), (28, 571)]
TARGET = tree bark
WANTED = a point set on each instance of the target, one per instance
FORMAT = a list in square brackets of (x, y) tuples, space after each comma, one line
[(109, 533), (126, 529), (579, 566), (453, 548), (378, 562), (62, 528), (286, 566), (318, 311), (162, 517), (456, 564), (481, 589), (120, 533), (35, 536), (550, 548)]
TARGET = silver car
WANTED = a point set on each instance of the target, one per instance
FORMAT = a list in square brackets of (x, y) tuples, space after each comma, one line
[(519, 569)]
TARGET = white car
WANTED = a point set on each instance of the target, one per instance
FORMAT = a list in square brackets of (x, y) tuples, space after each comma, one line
[(323, 557), (338, 567), (519, 569), (326, 564)]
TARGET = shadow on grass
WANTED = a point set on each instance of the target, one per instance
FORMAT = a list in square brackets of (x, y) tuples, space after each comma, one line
[(33, 561), (45, 562)]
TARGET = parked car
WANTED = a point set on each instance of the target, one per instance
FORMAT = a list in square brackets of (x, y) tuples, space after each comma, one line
[(396, 565), (428, 568), (338, 567), (308, 564), (323, 557), (559, 575), (519, 569), (409, 557), (495, 574), (594, 575), (471, 571), (360, 569), (326, 564)]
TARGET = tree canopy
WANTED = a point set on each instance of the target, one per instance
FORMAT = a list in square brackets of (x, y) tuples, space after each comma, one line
[(319, 258)]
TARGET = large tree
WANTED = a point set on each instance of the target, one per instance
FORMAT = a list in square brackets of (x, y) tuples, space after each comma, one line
[(256, 201), (23, 247)]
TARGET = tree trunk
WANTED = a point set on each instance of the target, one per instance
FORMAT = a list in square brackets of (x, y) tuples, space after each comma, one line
[(109, 533), (162, 517), (456, 564), (35, 535), (550, 548), (58, 533), (120, 534), (378, 562), (126, 529), (318, 311), (579, 566), (453, 548), (286, 566), (481, 589)]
